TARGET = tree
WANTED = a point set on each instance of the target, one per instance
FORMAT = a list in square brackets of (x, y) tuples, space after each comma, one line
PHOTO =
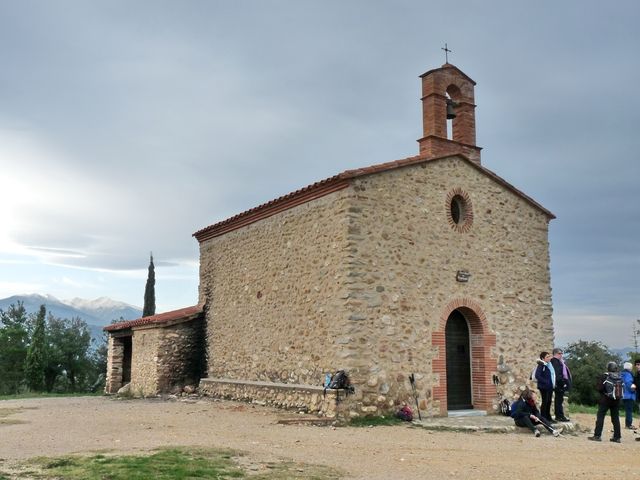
[(13, 348), (587, 360), (98, 361), (635, 337), (69, 356), (150, 292), (35, 361)]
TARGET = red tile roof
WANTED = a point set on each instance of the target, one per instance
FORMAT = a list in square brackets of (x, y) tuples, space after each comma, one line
[(160, 318), (333, 184)]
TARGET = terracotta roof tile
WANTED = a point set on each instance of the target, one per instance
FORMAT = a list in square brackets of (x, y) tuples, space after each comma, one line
[(159, 318)]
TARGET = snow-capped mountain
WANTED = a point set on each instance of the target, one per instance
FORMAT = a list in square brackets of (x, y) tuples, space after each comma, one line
[(105, 308), (98, 312)]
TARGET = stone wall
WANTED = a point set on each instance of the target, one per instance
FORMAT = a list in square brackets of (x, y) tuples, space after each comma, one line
[(181, 355), (275, 291), (115, 352), (144, 361), (307, 398), (409, 254), (364, 279), (163, 356)]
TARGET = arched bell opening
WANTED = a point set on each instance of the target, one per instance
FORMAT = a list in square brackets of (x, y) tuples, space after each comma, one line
[(452, 95)]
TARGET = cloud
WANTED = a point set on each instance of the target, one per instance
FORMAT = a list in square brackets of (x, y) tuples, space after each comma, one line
[(126, 127), (10, 288), (613, 330)]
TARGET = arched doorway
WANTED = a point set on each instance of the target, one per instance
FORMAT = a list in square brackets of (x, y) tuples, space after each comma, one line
[(458, 355), (482, 343)]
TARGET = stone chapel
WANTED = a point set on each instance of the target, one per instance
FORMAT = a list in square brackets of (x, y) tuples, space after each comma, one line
[(430, 267)]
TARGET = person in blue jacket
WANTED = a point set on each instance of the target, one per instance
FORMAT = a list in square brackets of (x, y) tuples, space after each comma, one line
[(525, 414), (628, 395), (546, 379)]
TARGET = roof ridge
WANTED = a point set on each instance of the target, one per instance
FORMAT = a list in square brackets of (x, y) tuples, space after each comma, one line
[(333, 184)]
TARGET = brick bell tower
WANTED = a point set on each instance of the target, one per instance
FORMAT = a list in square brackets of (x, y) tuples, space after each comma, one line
[(447, 96)]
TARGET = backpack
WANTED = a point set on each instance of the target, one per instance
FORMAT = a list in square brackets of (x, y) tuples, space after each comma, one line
[(340, 381), (405, 413), (612, 386), (505, 407)]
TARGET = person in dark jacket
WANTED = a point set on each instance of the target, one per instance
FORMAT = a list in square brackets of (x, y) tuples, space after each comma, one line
[(525, 414), (562, 385), (545, 377), (607, 404)]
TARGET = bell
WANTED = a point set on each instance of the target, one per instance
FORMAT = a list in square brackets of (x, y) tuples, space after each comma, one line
[(451, 109)]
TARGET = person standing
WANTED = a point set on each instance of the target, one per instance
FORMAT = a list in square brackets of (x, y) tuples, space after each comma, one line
[(628, 395), (562, 384), (637, 384), (545, 377), (607, 403)]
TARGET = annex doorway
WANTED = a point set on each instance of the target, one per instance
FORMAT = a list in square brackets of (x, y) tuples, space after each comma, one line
[(458, 364), (127, 347)]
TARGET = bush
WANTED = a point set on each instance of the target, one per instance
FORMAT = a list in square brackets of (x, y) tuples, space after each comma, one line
[(587, 361)]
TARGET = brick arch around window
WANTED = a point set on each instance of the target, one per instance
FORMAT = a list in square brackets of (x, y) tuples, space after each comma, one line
[(483, 360)]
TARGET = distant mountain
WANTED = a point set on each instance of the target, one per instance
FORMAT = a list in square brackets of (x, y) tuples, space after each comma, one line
[(105, 308), (99, 312), (623, 352)]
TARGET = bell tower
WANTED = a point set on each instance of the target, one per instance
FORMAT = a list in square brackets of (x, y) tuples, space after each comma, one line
[(448, 95)]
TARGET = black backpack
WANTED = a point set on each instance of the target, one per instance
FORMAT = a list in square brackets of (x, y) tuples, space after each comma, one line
[(612, 386), (505, 407), (340, 381)]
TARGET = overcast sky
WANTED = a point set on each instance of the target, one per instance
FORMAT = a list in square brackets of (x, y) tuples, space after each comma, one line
[(125, 126)]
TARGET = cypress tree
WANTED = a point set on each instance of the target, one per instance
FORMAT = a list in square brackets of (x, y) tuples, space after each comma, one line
[(35, 361), (150, 292)]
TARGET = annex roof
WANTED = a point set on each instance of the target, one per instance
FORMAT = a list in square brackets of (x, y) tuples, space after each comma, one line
[(338, 182), (187, 313)]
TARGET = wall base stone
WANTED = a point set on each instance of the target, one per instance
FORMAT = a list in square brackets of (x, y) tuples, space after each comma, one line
[(307, 398)]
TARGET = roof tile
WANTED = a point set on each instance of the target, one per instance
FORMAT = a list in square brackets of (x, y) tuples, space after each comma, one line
[(160, 318)]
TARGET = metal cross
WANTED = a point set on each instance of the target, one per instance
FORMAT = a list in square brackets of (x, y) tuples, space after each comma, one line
[(446, 53)]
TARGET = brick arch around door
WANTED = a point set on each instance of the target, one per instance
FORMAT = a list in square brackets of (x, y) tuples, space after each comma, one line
[(483, 360)]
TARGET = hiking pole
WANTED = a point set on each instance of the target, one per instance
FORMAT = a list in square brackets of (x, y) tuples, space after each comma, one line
[(412, 380), (555, 432)]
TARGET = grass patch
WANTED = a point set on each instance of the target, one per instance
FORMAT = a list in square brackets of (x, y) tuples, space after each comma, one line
[(375, 421), (577, 408), (171, 464), (165, 464), (21, 396)]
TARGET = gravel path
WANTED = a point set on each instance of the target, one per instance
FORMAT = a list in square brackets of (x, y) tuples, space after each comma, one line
[(56, 426)]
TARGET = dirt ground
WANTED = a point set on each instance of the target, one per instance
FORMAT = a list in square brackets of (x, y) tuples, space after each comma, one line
[(56, 426)]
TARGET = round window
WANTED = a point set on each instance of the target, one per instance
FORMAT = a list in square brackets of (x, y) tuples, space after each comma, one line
[(459, 213), (457, 209)]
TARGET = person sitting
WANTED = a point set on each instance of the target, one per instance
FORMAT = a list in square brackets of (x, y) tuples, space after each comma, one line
[(525, 414)]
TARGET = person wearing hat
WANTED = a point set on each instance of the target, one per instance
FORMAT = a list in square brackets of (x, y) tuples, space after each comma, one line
[(563, 384), (606, 403), (628, 395)]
